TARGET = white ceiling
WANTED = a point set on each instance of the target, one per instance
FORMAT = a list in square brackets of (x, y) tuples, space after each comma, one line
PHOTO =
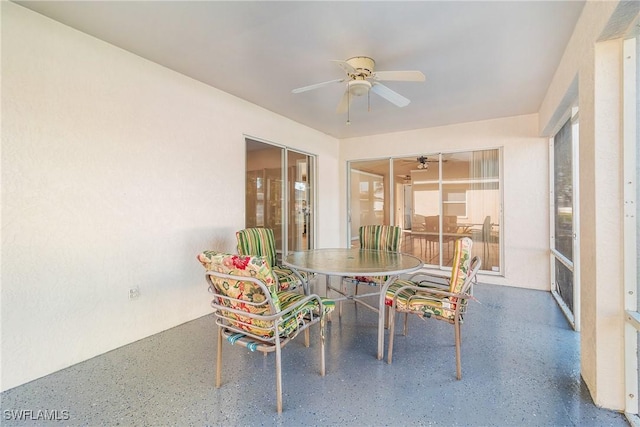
[(482, 59)]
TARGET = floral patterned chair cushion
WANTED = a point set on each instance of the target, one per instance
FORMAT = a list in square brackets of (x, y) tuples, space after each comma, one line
[(250, 297)]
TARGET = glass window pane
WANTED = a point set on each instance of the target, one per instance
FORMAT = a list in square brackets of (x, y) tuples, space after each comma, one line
[(425, 222), (369, 193), (564, 283), (434, 212), (300, 234), (563, 191), (471, 203), (264, 195)]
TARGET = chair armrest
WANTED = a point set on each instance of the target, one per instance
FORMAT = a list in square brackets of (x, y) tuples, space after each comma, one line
[(437, 294), (432, 291), (270, 317), (434, 280), (298, 304)]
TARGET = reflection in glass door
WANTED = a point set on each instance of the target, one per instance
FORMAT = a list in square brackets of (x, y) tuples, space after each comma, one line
[(435, 199), (564, 228), (279, 194), (368, 194), (300, 233)]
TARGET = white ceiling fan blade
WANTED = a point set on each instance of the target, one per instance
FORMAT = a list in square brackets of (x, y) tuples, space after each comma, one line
[(404, 76), (389, 95), (317, 85), (348, 68), (343, 106)]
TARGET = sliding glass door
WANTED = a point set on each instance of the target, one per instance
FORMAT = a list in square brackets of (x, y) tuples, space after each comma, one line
[(369, 191), (280, 194), (300, 201), (435, 199)]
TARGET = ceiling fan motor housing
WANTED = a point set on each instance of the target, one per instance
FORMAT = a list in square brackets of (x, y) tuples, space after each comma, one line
[(363, 65)]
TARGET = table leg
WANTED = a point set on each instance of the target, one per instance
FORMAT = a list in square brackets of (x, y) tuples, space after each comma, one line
[(327, 282), (381, 314)]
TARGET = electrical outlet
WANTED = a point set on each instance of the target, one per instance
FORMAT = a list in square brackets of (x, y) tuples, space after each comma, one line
[(134, 292)]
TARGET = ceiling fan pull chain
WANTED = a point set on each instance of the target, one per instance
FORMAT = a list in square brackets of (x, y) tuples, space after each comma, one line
[(348, 106)]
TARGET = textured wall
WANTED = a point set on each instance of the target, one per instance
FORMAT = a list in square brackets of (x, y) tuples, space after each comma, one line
[(116, 172), (589, 77), (526, 204)]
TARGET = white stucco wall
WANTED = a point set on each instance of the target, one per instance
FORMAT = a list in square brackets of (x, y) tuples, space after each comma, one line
[(589, 74), (116, 173), (526, 204)]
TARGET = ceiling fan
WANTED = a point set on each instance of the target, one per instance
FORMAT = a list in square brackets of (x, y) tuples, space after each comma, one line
[(362, 79), (423, 162)]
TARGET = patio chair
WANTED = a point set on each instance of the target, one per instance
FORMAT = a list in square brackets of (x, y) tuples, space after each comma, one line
[(261, 242), (378, 237), (435, 297), (251, 312), (418, 230)]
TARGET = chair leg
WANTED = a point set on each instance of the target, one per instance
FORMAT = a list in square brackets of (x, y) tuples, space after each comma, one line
[(278, 376), (405, 329), (392, 322), (306, 338), (219, 359), (387, 316), (456, 326)]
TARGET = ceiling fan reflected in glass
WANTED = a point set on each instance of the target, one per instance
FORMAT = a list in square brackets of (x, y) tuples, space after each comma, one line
[(423, 162), (362, 79)]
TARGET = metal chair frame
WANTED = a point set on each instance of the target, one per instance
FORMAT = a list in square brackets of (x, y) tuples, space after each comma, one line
[(437, 292), (273, 341)]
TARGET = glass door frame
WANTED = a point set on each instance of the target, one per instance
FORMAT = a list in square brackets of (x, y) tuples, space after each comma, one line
[(554, 254), (631, 221), (391, 195), (284, 190), (391, 209)]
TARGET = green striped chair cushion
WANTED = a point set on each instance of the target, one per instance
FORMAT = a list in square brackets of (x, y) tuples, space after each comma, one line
[(261, 241), (419, 302), (378, 237), (287, 280), (412, 300), (289, 298), (257, 241)]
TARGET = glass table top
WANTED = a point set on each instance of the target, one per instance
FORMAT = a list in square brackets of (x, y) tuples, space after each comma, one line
[(349, 262)]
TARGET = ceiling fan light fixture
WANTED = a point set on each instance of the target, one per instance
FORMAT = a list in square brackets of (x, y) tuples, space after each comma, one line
[(422, 163), (359, 87)]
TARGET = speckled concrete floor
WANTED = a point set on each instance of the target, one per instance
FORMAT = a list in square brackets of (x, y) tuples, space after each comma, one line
[(520, 368)]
